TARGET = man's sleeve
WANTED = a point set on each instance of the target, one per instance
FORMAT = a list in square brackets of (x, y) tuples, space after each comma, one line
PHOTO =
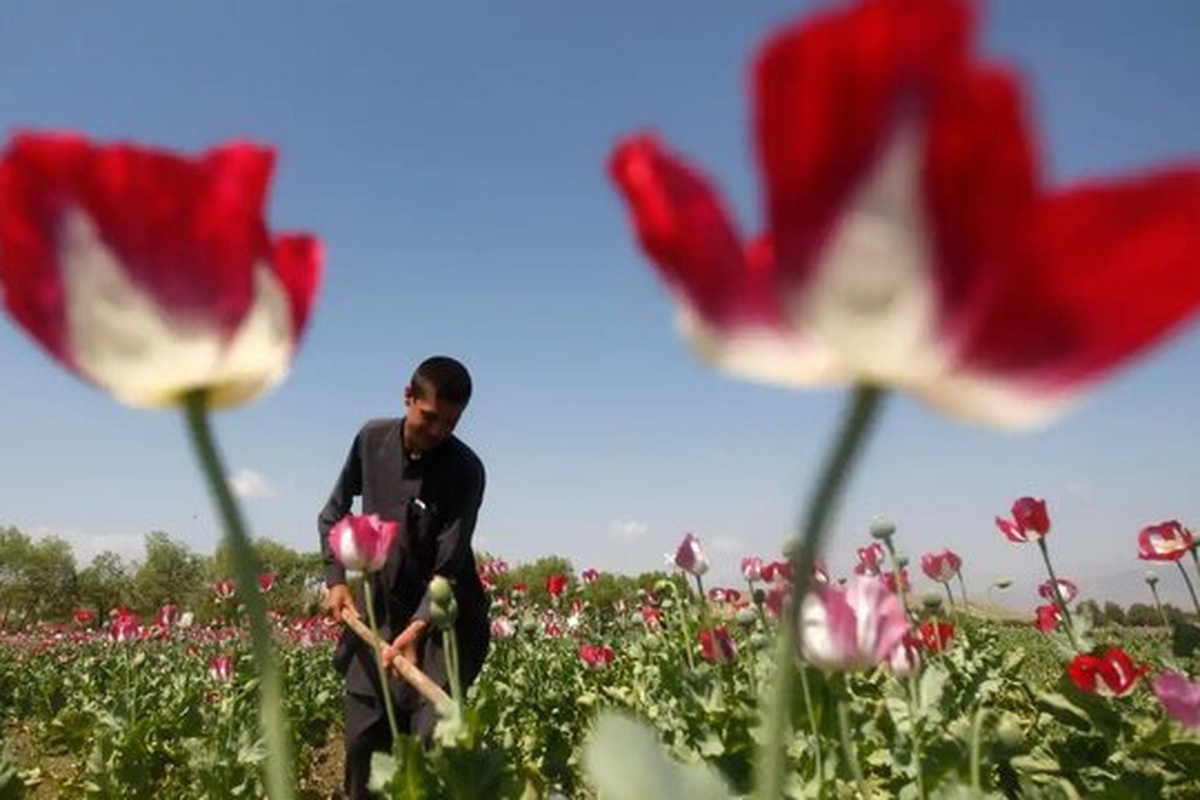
[(454, 539), (341, 499)]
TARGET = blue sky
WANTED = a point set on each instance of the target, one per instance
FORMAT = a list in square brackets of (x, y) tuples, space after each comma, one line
[(451, 156)]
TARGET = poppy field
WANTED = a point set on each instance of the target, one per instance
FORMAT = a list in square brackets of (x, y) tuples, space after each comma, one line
[(915, 697), (910, 242)]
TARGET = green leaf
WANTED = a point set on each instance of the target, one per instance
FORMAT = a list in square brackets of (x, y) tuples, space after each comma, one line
[(625, 761), (383, 769), (1185, 639), (1035, 762), (1064, 710), (933, 683)]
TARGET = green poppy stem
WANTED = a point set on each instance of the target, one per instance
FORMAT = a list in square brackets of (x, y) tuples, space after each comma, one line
[(848, 749), (1191, 588), (383, 676), (861, 411), (1062, 604), (278, 764)]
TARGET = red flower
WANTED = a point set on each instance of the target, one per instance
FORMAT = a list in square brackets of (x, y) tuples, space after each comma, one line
[(1113, 675), (936, 636), (224, 589), (126, 627), (590, 576), (556, 584), (266, 581), (651, 618), (1048, 618), (152, 274), (717, 645), (777, 571), (870, 559), (1166, 541), (220, 669), (83, 617), (889, 580), (167, 616), (941, 567), (1030, 521), (909, 241), (596, 656)]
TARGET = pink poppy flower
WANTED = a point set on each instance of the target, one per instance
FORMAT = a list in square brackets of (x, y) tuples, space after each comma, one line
[(1066, 588), (220, 669), (905, 658), (1166, 541), (690, 557), (126, 628), (167, 616), (503, 628), (909, 240), (941, 566), (1112, 675), (752, 567), (362, 541), (1179, 696), (152, 274), (851, 628)]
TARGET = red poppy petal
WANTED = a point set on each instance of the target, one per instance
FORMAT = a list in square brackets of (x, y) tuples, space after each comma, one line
[(298, 260), (683, 226), (979, 187), (829, 94), (30, 173), (1082, 672), (1109, 270), (188, 231)]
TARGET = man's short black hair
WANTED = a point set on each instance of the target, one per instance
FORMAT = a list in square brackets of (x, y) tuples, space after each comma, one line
[(446, 378)]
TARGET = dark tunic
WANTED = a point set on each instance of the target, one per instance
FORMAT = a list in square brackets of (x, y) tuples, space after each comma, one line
[(436, 500)]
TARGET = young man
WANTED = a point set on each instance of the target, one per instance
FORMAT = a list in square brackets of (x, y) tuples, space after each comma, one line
[(414, 471)]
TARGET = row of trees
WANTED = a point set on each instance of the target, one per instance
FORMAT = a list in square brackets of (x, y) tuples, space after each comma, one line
[(40, 581), (1138, 615)]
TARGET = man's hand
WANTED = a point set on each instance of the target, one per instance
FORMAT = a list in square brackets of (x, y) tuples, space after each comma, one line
[(339, 599), (406, 644)]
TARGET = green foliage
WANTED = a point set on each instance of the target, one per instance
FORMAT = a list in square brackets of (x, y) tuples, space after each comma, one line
[(146, 719), (37, 579), (170, 574), (1141, 615), (106, 583), (990, 716), (1114, 614)]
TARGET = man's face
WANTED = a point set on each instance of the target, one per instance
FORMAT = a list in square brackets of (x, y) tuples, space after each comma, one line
[(428, 421)]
